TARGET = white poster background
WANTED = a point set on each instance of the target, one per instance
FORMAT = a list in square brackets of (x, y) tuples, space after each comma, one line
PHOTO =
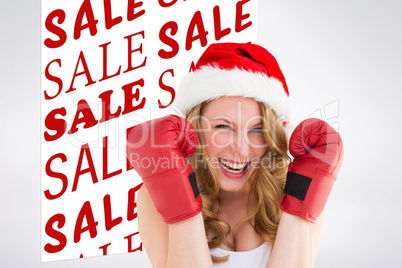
[(94, 191)]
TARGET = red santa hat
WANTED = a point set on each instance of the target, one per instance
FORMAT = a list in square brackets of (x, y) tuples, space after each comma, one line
[(231, 69)]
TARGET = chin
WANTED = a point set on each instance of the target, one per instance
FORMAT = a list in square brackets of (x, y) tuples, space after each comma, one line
[(231, 188), (232, 184)]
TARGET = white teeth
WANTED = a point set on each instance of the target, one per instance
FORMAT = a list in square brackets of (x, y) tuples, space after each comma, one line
[(228, 166), (233, 165)]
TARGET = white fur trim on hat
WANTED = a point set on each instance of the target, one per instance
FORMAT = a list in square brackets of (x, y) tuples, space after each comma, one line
[(210, 83)]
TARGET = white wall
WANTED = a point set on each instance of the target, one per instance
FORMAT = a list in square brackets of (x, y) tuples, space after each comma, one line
[(346, 56), (342, 57)]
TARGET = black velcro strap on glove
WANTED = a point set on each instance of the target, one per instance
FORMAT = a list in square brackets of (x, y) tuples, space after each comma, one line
[(193, 182), (297, 185)]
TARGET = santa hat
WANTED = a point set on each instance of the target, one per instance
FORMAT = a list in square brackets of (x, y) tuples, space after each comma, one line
[(231, 69)]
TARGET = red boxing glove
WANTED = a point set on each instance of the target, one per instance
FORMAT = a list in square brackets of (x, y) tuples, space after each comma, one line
[(318, 151), (157, 150)]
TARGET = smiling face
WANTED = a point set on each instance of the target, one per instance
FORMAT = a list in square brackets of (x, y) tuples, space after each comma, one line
[(232, 132)]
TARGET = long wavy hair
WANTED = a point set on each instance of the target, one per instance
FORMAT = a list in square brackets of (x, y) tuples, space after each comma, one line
[(266, 183)]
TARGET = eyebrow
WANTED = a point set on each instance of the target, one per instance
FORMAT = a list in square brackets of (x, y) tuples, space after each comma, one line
[(258, 124), (223, 119)]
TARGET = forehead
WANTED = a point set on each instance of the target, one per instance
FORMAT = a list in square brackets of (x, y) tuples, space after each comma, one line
[(236, 108)]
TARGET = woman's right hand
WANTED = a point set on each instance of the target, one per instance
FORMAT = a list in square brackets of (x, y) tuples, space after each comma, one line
[(157, 149)]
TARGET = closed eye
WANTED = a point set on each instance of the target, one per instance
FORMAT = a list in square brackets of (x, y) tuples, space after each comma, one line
[(224, 127), (257, 130)]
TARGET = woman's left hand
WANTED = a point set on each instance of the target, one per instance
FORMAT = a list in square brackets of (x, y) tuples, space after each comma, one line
[(318, 151)]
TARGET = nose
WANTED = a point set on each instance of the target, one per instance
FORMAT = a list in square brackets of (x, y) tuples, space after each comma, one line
[(240, 145)]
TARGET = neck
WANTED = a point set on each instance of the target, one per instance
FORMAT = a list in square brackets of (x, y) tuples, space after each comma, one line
[(230, 197)]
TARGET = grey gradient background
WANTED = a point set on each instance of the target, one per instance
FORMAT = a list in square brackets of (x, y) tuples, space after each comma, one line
[(343, 52)]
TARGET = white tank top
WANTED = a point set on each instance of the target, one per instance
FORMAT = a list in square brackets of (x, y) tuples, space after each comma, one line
[(255, 258)]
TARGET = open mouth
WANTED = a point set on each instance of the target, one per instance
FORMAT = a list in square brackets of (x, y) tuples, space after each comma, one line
[(235, 168)]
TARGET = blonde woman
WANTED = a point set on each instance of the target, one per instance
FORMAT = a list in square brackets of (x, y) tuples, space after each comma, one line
[(221, 191)]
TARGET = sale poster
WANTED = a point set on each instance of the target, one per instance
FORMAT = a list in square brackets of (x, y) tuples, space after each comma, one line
[(105, 67)]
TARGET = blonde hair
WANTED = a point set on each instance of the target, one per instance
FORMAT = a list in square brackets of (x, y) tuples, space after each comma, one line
[(267, 182)]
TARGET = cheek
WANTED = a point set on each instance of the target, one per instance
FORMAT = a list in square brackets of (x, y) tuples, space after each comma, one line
[(209, 144), (221, 139), (258, 145), (215, 141), (257, 142), (260, 152), (218, 139)]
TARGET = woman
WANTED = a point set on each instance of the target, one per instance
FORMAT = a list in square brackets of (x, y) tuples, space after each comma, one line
[(236, 100)]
